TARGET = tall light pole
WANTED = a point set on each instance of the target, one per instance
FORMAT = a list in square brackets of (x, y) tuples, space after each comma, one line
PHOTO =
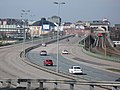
[(32, 28), (24, 12), (58, 3)]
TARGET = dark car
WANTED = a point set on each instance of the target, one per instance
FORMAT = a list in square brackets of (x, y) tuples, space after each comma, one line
[(118, 80), (67, 40), (43, 53), (48, 62)]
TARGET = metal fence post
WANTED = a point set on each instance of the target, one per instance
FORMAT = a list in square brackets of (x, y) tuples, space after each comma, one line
[(91, 87), (71, 86), (114, 88)]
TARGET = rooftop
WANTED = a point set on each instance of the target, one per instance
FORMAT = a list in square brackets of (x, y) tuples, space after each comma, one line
[(42, 21)]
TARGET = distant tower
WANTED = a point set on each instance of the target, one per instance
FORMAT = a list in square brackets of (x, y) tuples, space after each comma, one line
[(105, 19)]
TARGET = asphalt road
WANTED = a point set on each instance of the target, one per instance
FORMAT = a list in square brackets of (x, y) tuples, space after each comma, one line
[(13, 67), (92, 69)]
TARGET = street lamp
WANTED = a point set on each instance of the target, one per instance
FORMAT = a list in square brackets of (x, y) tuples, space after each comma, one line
[(24, 12), (58, 3), (32, 35)]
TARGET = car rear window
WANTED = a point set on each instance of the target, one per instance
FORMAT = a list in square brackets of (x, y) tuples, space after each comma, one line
[(43, 51), (77, 67), (49, 60)]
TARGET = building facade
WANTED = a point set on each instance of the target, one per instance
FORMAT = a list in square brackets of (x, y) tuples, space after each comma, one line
[(41, 27), (12, 28)]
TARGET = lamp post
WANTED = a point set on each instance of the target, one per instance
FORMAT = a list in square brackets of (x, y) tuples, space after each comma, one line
[(32, 28), (24, 12), (105, 45), (58, 3)]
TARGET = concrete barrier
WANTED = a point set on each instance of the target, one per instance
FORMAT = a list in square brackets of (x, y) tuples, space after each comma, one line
[(112, 85)]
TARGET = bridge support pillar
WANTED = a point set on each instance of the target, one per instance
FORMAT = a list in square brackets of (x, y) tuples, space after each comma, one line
[(9, 84), (55, 87), (91, 87), (114, 88), (71, 86), (1, 83), (28, 85), (41, 85), (18, 84)]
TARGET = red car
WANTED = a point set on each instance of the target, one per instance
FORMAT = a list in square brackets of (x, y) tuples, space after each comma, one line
[(48, 62)]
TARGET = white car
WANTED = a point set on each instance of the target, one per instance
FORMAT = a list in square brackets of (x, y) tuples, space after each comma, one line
[(75, 70), (44, 44), (64, 52), (43, 53)]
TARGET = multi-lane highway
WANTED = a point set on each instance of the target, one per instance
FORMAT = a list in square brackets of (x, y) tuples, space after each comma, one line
[(93, 68), (14, 67)]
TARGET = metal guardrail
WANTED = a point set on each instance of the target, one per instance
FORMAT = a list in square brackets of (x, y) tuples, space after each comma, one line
[(48, 42), (28, 83), (109, 58)]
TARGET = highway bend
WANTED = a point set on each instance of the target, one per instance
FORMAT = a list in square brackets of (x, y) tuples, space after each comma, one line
[(93, 68), (12, 66)]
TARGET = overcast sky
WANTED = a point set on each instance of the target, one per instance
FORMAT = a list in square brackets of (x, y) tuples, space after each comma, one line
[(73, 10)]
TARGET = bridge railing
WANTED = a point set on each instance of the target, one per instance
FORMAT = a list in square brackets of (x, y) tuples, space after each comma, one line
[(28, 84)]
